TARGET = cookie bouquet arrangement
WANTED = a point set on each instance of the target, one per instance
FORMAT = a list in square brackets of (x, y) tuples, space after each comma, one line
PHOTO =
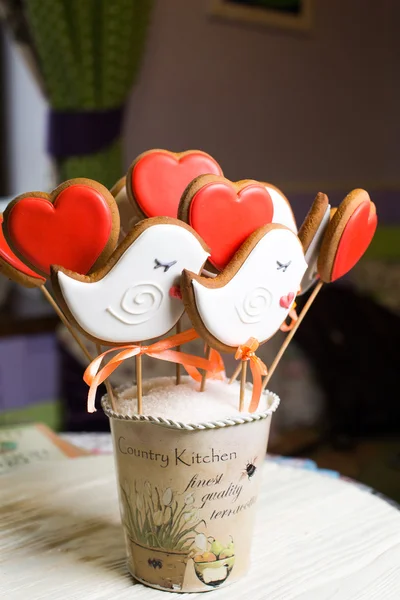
[(122, 267)]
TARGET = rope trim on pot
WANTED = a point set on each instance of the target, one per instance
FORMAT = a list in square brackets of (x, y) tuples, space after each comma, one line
[(170, 423)]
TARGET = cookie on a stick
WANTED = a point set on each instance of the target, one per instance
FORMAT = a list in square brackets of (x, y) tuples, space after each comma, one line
[(135, 297), (346, 239), (157, 179), (77, 226), (224, 213), (252, 296)]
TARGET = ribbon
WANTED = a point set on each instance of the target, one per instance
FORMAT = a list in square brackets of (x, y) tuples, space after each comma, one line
[(94, 376), (217, 371), (294, 317), (258, 369)]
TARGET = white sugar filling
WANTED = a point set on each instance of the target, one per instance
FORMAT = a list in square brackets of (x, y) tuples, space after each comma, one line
[(185, 403)]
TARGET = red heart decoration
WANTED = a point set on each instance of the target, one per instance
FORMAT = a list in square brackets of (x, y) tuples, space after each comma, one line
[(286, 301), (225, 216), (72, 231), (11, 259), (159, 178), (355, 239)]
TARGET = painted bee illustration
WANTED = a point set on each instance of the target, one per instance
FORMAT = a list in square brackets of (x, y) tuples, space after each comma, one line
[(250, 469), (155, 563)]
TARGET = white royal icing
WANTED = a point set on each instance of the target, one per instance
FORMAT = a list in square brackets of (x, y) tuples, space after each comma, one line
[(249, 304), (141, 301), (312, 253), (282, 211), (252, 308), (132, 302)]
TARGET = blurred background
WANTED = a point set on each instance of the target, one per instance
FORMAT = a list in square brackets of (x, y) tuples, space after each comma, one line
[(303, 94)]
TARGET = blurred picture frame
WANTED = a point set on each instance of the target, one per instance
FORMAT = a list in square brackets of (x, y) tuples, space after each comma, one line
[(293, 15)]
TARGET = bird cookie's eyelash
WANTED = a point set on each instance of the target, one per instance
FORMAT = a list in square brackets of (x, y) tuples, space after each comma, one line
[(283, 266), (165, 266)]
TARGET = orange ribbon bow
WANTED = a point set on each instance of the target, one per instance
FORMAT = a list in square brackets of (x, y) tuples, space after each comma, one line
[(258, 369), (94, 376)]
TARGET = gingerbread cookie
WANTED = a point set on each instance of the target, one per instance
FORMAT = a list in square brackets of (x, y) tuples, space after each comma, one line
[(76, 226), (127, 216), (13, 268), (348, 235), (135, 296), (157, 178), (311, 235), (283, 214), (253, 295), (224, 213)]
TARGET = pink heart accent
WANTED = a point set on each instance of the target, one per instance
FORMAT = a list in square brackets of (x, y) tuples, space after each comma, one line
[(286, 301), (175, 292)]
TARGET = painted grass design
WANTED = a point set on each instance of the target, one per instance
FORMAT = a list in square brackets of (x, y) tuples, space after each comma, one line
[(160, 518)]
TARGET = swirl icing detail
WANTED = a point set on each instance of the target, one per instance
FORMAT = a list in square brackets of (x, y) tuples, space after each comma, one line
[(254, 305), (140, 301)]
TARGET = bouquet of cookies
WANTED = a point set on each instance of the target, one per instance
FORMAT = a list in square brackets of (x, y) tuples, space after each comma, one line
[(121, 267)]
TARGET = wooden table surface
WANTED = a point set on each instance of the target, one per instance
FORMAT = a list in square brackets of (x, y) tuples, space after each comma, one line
[(316, 538)]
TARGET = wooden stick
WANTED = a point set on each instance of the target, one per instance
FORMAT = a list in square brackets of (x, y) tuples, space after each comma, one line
[(242, 385), (291, 333), (178, 370), (107, 383), (204, 376), (236, 373), (139, 386), (74, 334), (64, 320)]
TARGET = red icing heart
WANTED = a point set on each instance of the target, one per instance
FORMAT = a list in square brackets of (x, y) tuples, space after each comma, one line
[(175, 292), (71, 232), (159, 179), (356, 237), (9, 257), (286, 301), (225, 217)]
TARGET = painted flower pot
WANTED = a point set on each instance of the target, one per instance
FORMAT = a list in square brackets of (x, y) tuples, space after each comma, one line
[(188, 493)]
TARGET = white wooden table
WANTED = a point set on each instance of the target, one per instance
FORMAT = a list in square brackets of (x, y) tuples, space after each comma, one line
[(316, 538)]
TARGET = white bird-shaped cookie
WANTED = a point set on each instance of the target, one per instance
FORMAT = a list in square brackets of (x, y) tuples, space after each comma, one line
[(253, 295), (134, 298)]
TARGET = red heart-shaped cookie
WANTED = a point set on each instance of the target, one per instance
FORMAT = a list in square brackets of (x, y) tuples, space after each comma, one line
[(13, 268), (348, 236), (157, 179), (224, 213), (75, 227)]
